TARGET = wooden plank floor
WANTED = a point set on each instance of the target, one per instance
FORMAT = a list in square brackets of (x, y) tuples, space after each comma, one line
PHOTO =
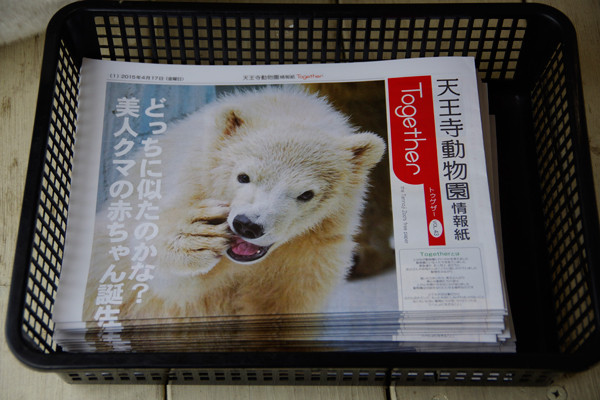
[(19, 66)]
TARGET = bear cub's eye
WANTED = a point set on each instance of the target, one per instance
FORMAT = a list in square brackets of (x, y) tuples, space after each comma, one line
[(306, 196), (243, 178)]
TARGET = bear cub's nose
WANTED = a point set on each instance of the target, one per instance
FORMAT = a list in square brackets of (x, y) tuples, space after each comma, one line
[(246, 228)]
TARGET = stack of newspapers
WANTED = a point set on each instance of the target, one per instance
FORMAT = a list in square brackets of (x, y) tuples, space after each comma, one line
[(283, 208)]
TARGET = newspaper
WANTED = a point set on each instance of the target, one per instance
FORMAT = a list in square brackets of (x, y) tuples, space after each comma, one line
[(324, 206)]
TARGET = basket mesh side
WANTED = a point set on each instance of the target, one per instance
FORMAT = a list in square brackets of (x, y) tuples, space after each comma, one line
[(221, 40), (49, 236), (313, 376), (562, 207)]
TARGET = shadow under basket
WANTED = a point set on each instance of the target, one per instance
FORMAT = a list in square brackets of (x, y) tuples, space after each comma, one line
[(527, 54)]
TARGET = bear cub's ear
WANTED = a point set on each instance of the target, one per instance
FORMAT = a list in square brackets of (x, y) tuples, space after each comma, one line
[(367, 149), (230, 121)]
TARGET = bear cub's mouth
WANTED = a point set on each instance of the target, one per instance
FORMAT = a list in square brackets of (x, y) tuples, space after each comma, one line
[(242, 251)]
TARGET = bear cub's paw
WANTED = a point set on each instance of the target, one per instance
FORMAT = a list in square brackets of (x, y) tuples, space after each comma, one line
[(203, 236)]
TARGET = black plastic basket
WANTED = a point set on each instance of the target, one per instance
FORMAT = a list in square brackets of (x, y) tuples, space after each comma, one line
[(528, 56)]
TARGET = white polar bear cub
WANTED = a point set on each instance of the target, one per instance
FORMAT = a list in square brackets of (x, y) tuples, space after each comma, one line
[(262, 194)]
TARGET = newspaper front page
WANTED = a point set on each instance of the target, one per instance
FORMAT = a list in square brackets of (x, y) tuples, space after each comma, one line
[(311, 206)]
